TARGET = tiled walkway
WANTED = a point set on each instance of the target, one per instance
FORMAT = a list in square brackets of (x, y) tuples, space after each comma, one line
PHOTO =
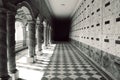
[(67, 64)]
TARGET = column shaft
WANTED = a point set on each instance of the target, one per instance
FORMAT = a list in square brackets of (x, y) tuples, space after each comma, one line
[(39, 37), (3, 45), (45, 36), (24, 36), (11, 42), (31, 41), (50, 35)]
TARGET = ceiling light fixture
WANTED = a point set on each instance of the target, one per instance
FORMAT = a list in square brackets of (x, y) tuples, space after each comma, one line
[(63, 4)]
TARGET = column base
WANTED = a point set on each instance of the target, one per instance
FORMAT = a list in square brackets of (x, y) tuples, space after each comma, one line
[(45, 47), (39, 54), (30, 60), (15, 75), (49, 44)]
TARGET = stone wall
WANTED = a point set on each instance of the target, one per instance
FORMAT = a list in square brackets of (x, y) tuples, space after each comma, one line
[(96, 31), (105, 60)]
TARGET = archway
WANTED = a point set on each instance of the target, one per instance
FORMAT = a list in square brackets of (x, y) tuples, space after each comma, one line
[(21, 25)]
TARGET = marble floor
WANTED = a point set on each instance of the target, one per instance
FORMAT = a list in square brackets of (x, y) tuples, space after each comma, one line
[(60, 62), (67, 64)]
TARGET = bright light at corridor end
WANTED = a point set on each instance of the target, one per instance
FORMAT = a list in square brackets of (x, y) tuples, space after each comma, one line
[(63, 8)]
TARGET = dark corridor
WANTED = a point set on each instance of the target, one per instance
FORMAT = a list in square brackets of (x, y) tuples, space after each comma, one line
[(61, 29)]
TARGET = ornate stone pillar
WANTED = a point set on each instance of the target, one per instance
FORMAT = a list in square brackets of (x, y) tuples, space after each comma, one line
[(11, 45), (3, 46), (31, 41), (24, 36)]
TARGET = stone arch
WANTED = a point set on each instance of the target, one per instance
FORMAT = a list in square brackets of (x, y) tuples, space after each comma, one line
[(24, 14), (26, 6)]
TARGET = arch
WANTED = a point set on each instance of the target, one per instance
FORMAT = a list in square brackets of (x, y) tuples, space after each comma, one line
[(24, 14), (26, 6)]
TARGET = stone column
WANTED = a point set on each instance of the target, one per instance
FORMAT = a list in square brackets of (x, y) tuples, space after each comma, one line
[(3, 46), (39, 37), (24, 36), (45, 35), (31, 41), (48, 28), (50, 36), (11, 45)]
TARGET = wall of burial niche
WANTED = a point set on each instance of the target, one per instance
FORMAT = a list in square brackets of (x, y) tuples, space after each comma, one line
[(96, 31)]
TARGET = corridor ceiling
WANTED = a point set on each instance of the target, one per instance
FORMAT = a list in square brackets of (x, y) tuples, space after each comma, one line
[(62, 8), (47, 8)]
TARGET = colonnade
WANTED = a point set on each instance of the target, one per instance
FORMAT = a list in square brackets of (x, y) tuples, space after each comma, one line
[(7, 42)]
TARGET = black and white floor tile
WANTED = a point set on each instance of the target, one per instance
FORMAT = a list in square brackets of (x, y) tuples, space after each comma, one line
[(67, 64)]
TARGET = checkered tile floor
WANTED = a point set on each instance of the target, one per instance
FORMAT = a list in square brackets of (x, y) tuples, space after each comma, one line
[(67, 64)]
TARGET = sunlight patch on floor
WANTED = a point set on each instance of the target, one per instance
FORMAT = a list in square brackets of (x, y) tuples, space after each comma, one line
[(29, 74), (35, 71)]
